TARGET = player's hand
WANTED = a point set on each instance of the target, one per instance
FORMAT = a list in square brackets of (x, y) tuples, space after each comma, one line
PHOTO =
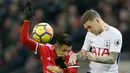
[(28, 10), (73, 59), (55, 69), (82, 53), (91, 56)]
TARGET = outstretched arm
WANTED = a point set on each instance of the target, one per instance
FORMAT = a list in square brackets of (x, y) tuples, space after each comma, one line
[(24, 36), (103, 59)]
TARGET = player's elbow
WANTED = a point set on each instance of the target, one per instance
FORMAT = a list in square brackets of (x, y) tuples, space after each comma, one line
[(112, 61), (23, 39)]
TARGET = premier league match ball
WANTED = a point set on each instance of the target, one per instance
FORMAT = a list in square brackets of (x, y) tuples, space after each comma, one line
[(42, 33)]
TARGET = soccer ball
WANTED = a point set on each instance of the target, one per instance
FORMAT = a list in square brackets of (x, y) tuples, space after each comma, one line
[(42, 33)]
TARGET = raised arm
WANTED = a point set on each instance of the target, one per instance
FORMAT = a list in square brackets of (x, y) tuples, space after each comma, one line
[(24, 34)]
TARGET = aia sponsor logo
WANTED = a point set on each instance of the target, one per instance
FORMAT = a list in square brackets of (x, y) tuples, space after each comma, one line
[(100, 51)]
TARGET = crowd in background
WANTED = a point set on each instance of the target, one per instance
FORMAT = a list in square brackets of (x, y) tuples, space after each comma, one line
[(63, 16)]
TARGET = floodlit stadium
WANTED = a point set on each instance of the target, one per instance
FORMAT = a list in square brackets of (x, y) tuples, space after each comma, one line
[(64, 16)]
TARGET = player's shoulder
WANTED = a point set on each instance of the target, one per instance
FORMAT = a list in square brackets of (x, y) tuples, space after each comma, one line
[(113, 31), (50, 46), (47, 46)]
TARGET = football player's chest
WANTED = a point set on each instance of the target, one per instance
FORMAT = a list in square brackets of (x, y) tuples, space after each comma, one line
[(48, 58), (102, 41), (100, 45), (49, 63)]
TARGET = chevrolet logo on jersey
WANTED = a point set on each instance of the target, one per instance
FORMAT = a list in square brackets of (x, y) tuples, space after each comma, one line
[(117, 42)]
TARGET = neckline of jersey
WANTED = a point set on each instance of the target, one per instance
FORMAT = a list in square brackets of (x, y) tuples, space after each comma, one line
[(106, 29)]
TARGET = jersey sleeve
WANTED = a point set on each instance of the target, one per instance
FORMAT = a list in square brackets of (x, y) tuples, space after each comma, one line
[(116, 42), (73, 70), (87, 42), (25, 39)]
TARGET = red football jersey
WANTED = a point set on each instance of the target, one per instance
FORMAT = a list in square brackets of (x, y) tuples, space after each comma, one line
[(46, 51), (48, 55)]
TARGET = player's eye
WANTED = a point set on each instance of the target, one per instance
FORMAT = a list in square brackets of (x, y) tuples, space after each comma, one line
[(65, 50)]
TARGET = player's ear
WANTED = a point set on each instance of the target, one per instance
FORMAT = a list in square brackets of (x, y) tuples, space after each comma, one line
[(97, 20)]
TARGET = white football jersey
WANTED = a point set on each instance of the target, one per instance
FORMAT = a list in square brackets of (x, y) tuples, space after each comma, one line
[(110, 40)]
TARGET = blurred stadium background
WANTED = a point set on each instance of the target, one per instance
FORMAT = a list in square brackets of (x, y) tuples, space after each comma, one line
[(63, 16)]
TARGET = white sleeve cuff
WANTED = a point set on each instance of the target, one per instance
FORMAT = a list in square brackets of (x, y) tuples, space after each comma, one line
[(73, 66), (36, 49)]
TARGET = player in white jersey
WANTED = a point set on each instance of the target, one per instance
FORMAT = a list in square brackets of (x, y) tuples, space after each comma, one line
[(102, 44)]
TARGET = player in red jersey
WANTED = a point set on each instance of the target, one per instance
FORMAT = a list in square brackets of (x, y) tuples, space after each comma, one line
[(54, 57)]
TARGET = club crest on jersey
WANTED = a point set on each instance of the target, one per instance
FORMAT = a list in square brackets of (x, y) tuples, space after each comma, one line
[(107, 43)]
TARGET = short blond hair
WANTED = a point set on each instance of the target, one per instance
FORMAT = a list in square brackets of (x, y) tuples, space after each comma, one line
[(89, 15)]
